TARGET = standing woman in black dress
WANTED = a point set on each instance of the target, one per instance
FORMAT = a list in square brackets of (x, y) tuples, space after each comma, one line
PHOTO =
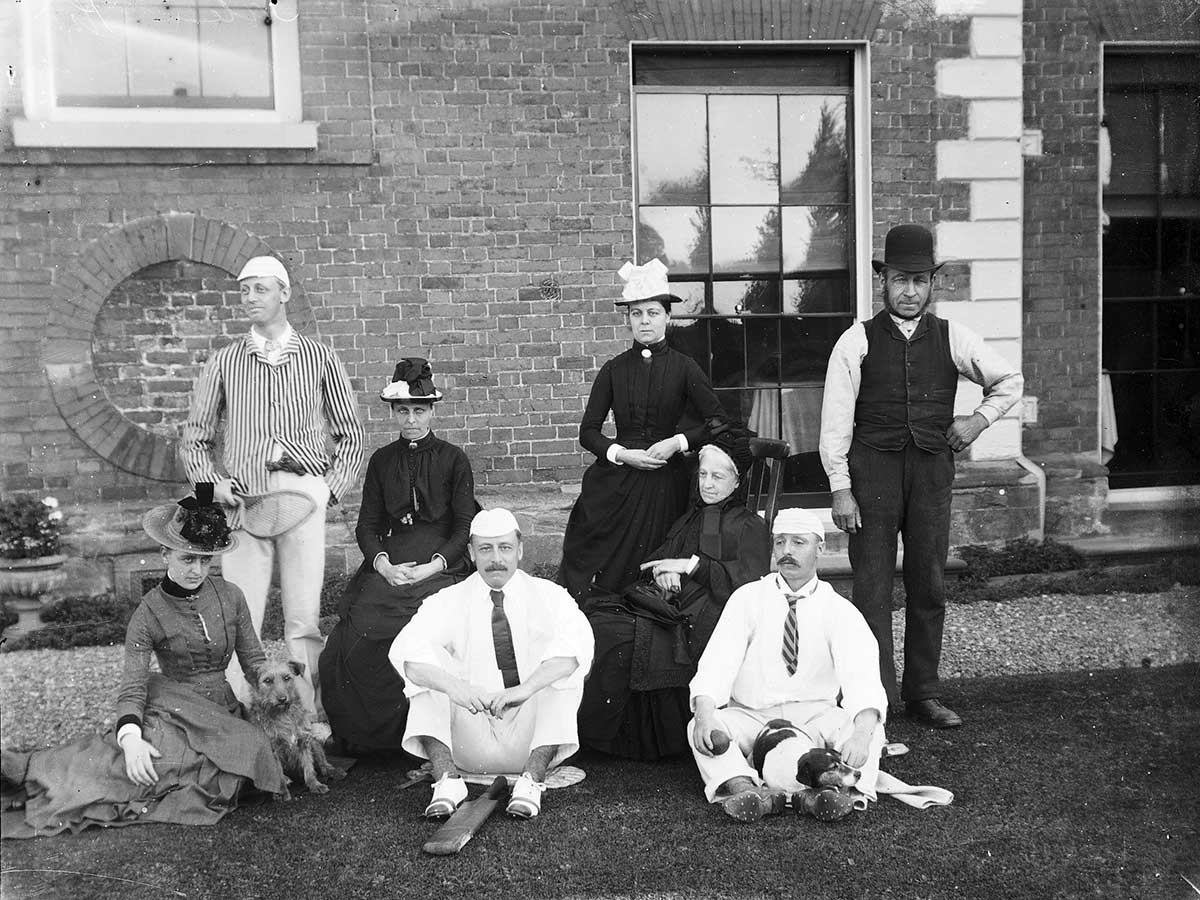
[(639, 483), (413, 526)]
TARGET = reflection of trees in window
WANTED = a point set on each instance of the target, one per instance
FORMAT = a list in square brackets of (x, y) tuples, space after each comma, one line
[(691, 188), (825, 171), (652, 244)]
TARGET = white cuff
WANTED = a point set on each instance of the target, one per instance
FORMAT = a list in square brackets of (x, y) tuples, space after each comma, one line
[(375, 561), (611, 454), (445, 565), (692, 564), (127, 729), (683, 443)]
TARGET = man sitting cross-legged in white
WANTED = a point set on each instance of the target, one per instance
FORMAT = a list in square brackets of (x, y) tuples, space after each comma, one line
[(786, 647), (493, 669)]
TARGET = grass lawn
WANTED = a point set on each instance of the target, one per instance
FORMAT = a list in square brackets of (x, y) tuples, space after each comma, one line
[(1072, 785)]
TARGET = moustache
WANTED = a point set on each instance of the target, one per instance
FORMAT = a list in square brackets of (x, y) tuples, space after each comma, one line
[(496, 567), (786, 559)]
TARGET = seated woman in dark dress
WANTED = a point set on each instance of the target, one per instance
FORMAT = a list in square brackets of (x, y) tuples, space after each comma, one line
[(180, 751), (638, 484), (649, 638), (417, 506)]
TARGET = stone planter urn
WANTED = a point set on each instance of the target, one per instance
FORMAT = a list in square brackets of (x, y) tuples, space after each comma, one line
[(25, 582)]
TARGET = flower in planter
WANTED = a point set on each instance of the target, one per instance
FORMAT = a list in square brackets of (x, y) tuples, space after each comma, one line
[(29, 527)]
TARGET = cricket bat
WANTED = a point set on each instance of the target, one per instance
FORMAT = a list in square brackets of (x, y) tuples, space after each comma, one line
[(467, 819)]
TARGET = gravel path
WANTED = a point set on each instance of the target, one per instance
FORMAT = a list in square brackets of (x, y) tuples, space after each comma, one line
[(51, 696)]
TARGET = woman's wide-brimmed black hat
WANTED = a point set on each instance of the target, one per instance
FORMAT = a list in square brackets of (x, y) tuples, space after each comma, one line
[(193, 525), (412, 380), (908, 248)]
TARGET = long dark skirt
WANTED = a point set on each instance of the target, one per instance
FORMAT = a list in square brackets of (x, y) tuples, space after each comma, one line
[(621, 515), (615, 719), (208, 754), (362, 693)]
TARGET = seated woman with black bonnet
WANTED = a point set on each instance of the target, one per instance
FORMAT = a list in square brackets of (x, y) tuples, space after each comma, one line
[(648, 639), (413, 526), (180, 751)]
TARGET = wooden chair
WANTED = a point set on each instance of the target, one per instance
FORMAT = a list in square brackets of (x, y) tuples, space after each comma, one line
[(765, 479)]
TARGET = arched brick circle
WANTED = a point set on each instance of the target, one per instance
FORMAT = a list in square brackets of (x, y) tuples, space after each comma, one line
[(79, 292)]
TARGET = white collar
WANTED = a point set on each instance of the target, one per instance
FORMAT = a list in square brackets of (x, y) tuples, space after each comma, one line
[(260, 342), (806, 590)]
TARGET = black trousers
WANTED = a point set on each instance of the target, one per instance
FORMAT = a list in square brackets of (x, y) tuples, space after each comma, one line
[(904, 492)]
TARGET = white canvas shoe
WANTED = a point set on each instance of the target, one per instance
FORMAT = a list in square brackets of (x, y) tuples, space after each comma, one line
[(448, 794), (526, 799)]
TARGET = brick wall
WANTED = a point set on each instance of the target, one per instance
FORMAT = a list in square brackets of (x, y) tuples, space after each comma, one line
[(469, 201)]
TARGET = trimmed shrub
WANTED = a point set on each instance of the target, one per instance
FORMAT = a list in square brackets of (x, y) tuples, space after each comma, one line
[(1019, 557), (8, 616)]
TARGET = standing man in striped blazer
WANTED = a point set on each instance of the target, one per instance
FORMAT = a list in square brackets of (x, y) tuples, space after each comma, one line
[(283, 398)]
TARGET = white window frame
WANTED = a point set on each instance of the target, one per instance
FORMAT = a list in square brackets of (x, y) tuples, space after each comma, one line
[(46, 124)]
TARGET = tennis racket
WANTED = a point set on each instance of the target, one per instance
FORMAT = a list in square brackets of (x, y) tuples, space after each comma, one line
[(276, 513)]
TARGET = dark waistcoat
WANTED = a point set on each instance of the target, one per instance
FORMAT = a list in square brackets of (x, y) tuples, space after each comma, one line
[(907, 389)]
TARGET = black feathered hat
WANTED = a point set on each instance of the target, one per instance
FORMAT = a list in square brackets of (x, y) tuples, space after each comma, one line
[(194, 524)]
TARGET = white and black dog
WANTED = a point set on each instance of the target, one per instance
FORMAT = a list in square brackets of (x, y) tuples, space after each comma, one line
[(814, 777)]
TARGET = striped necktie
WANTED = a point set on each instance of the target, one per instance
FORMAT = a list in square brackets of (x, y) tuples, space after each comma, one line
[(790, 641), (506, 656)]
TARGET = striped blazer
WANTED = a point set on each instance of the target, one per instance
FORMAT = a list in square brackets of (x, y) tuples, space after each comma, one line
[(303, 404)]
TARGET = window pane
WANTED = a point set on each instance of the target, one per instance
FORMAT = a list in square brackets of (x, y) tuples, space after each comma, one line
[(727, 339), (813, 137), (89, 51), (164, 53), (1130, 258), (1181, 130), (672, 149), (1128, 336), (741, 298), (744, 155), (1133, 399), (690, 336), (678, 235), (1178, 414), (235, 58), (745, 239), (816, 295), (1133, 134), (691, 295), (807, 344), (762, 351), (814, 238), (1174, 350)]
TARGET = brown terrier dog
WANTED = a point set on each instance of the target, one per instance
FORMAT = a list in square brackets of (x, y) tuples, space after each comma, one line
[(276, 708)]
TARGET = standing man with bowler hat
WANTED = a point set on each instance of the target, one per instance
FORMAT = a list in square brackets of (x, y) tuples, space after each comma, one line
[(888, 439), (281, 397)]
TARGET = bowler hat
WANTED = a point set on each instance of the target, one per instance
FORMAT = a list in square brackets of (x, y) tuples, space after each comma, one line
[(411, 381), (908, 248)]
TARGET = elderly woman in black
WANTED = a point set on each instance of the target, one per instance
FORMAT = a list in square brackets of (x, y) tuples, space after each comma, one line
[(180, 751), (649, 638), (413, 527), (638, 484)]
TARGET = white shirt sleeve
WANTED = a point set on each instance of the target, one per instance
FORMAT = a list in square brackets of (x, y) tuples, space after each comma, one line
[(843, 377), (1001, 381), (855, 659), (571, 635), (427, 637), (722, 658)]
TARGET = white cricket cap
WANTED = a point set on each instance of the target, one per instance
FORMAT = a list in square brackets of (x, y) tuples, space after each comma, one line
[(494, 523), (797, 521), (263, 266)]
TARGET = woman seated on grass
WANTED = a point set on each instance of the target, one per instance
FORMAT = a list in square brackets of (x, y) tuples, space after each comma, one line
[(413, 527), (648, 639), (180, 751)]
